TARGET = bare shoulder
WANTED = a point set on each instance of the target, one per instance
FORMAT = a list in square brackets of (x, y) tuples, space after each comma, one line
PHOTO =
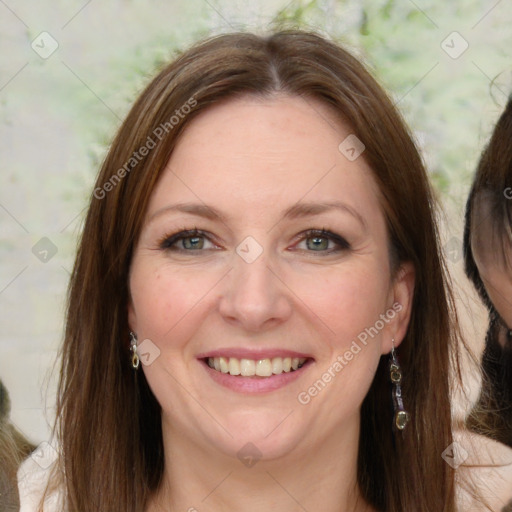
[(484, 473)]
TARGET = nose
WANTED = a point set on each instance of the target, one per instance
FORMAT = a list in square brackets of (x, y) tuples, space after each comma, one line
[(254, 296)]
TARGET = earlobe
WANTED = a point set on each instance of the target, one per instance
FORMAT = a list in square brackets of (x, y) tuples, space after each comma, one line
[(402, 295)]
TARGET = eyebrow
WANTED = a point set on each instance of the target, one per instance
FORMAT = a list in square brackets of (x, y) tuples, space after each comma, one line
[(298, 210)]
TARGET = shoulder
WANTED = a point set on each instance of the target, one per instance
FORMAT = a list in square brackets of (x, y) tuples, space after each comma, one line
[(483, 472), (33, 477)]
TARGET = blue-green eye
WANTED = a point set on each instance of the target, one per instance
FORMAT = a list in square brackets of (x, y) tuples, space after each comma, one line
[(320, 240), (318, 243), (314, 240), (193, 242), (187, 240)]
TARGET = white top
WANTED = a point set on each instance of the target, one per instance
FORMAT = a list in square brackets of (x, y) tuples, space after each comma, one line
[(33, 476), (494, 483), (492, 480)]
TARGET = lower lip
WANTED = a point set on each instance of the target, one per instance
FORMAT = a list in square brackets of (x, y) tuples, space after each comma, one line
[(254, 384)]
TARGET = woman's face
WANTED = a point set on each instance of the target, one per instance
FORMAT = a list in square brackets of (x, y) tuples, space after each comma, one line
[(498, 285), (493, 270), (264, 246)]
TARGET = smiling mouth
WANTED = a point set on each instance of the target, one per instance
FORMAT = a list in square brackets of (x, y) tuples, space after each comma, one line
[(256, 368)]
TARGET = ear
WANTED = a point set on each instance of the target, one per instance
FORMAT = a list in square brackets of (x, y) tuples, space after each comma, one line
[(400, 301)]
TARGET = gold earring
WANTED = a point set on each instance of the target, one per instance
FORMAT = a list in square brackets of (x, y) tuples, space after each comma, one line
[(133, 349), (401, 415)]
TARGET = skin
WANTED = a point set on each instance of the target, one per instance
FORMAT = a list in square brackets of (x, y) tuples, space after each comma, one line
[(497, 280), (498, 285), (494, 272), (252, 159)]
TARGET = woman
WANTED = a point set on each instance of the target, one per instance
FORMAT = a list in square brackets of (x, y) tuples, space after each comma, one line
[(259, 247), (488, 263)]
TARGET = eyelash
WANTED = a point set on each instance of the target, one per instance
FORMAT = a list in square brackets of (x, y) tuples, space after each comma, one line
[(168, 242)]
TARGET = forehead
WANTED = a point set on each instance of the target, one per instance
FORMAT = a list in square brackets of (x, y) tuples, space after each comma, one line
[(258, 153)]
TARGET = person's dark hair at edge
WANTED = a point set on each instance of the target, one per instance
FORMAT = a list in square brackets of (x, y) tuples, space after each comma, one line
[(492, 415), (108, 419)]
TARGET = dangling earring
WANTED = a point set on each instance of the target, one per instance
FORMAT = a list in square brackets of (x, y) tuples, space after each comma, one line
[(133, 349), (401, 415)]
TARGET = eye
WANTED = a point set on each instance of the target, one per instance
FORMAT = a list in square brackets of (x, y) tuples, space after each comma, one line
[(313, 240), (187, 241), (320, 240)]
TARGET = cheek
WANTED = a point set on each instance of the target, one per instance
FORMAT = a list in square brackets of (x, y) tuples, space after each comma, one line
[(165, 302), (498, 286), (347, 301), (351, 305), (169, 307)]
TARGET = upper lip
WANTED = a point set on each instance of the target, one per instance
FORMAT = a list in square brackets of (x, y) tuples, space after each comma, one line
[(255, 354)]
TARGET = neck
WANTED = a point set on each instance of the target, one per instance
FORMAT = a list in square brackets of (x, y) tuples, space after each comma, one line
[(319, 476)]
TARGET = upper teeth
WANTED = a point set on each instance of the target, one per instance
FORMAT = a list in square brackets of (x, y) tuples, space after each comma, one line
[(260, 367)]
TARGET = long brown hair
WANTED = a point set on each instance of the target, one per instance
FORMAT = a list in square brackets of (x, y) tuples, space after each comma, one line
[(108, 419)]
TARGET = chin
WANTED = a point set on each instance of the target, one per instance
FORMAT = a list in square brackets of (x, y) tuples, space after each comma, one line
[(271, 436)]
